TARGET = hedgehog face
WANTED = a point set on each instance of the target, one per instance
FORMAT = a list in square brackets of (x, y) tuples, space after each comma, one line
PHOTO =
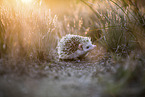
[(88, 47), (84, 49), (87, 44)]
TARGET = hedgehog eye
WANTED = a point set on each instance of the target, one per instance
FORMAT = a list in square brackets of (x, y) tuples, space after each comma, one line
[(87, 47)]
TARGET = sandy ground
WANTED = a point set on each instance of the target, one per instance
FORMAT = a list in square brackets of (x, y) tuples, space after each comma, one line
[(60, 79)]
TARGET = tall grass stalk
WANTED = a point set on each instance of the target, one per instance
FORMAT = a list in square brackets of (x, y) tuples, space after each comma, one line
[(29, 30), (118, 33), (2, 42)]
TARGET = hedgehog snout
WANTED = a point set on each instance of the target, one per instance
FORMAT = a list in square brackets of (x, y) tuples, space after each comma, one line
[(93, 46)]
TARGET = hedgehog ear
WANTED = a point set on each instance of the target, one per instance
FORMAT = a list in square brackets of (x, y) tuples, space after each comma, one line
[(80, 47)]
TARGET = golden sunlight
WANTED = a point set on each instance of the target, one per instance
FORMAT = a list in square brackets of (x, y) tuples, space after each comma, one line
[(26, 1)]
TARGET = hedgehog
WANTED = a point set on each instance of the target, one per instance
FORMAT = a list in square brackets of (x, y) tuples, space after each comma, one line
[(74, 47)]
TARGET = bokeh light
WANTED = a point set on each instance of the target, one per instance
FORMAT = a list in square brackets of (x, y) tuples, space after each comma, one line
[(26, 1)]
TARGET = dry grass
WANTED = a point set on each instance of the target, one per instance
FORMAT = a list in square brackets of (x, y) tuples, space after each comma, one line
[(122, 27), (29, 31)]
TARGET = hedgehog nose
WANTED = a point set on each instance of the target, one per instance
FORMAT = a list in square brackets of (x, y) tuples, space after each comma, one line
[(94, 46)]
